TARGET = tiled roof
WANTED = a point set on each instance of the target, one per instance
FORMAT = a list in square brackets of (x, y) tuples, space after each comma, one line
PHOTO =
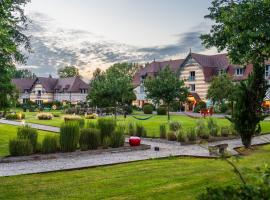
[(23, 83)]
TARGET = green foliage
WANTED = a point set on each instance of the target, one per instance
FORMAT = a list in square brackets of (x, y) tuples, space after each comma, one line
[(175, 126), (68, 71), (131, 129), (171, 136), (199, 106), (140, 130), (182, 136), (148, 109), (20, 147), (89, 139), (91, 124), (162, 110), (23, 73), (225, 131), (15, 116), (28, 133), (212, 126), (44, 116), (75, 118), (201, 129), (162, 131), (50, 144), (106, 126), (191, 134), (118, 138), (106, 143), (166, 86), (69, 136)]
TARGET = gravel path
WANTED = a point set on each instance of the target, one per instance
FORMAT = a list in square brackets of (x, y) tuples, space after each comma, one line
[(167, 149)]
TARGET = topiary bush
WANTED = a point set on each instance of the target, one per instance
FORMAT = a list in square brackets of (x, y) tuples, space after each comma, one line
[(69, 136), (44, 116), (140, 130), (50, 144), (212, 127), (75, 118), (28, 133), (106, 126), (118, 138), (89, 139), (20, 147), (162, 131), (191, 135), (148, 109), (225, 131), (162, 110), (201, 129), (171, 136)]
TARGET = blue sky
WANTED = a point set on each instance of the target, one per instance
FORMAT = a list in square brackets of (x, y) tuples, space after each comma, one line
[(97, 33)]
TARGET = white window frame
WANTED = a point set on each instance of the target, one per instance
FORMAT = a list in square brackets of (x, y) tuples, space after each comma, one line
[(239, 71), (191, 87)]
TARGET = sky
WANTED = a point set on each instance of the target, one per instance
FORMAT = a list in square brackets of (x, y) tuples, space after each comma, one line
[(98, 33)]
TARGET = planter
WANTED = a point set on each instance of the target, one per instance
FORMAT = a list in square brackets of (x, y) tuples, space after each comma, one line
[(134, 141)]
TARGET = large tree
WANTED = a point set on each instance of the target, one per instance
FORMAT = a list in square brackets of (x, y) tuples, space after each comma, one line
[(113, 88), (242, 28), (165, 87), (12, 40), (23, 73), (68, 71)]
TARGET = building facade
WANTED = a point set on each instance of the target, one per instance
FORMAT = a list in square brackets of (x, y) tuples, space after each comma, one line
[(197, 72), (45, 90)]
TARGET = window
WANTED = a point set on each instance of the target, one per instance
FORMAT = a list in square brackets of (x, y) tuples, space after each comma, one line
[(83, 91), (141, 89), (39, 92), (267, 70), (221, 71), (26, 100), (239, 71), (192, 87), (26, 91), (192, 76), (39, 102)]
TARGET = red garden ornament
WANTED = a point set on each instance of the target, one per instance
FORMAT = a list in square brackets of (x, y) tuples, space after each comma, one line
[(134, 141)]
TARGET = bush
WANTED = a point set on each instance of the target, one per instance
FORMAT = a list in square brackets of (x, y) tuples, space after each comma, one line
[(191, 134), (171, 136), (20, 147), (92, 116), (174, 126), (162, 110), (69, 136), (15, 116), (75, 118), (201, 129), (56, 115), (182, 136), (233, 131), (140, 130), (44, 116), (148, 109), (162, 131), (91, 124), (118, 138), (106, 126), (50, 144), (106, 142), (89, 139), (131, 129), (29, 133), (225, 131), (212, 126), (199, 106)]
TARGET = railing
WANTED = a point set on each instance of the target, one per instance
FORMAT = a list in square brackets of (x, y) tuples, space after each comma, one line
[(191, 78)]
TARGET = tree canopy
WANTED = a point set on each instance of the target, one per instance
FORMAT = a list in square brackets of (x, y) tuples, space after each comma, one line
[(166, 87), (23, 73), (68, 71), (12, 40)]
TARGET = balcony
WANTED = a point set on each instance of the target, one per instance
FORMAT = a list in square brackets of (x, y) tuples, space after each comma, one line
[(191, 78)]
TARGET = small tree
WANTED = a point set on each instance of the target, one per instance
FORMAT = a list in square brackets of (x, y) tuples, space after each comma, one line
[(68, 71), (166, 87)]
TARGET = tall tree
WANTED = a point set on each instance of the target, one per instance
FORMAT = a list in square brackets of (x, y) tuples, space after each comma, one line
[(113, 88), (68, 71), (12, 40), (242, 28), (166, 87), (23, 73)]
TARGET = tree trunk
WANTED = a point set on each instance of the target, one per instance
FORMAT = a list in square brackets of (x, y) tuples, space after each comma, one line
[(168, 112), (246, 139)]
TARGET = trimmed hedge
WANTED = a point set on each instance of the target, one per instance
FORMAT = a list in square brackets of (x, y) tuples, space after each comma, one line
[(162, 110), (20, 147), (89, 139), (69, 136), (27, 132), (50, 144), (148, 109)]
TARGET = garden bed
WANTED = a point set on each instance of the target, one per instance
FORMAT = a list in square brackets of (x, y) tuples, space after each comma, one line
[(38, 156)]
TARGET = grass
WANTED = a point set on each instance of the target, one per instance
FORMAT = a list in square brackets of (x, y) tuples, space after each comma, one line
[(8, 132), (173, 178)]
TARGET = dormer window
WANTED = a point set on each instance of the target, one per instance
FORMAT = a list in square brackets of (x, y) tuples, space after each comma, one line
[(83, 91), (26, 91), (239, 71)]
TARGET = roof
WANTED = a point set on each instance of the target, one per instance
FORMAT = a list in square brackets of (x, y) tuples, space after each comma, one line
[(74, 84)]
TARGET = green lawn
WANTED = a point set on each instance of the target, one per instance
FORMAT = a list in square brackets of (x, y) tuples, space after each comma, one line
[(173, 178), (8, 132)]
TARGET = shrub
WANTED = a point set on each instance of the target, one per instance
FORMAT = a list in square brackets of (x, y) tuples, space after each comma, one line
[(20, 147), (182, 136), (232, 130), (44, 116), (118, 138), (69, 136), (92, 116), (91, 124), (74, 118), (89, 139), (50, 144), (15, 116), (106, 142), (56, 115), (106, 126), (148, 109), (171, 136), (162, 110), (174, 126), (140, 130), (191, 134), (162, 131), (201, 129), (199, 106), (131, 129), (225, 131), (212, 126), (27, 132)]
